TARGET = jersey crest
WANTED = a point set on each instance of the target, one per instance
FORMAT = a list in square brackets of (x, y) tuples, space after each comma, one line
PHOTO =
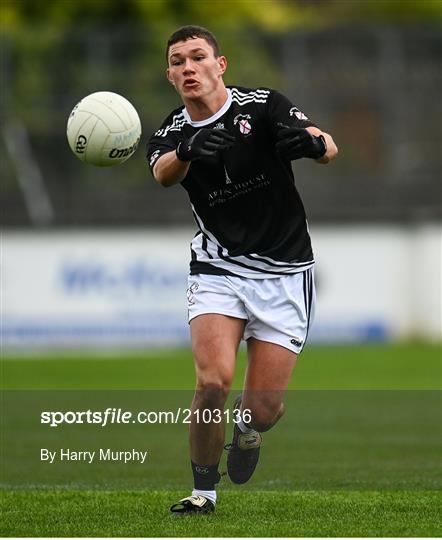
[(242, 120)]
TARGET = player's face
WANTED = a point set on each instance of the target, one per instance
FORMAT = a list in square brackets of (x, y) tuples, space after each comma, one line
[(194, 70)]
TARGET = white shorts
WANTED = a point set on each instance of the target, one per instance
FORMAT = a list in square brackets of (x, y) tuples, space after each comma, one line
[(278, 310)]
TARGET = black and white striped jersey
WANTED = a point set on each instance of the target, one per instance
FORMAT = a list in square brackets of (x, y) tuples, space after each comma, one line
[(250, 217)]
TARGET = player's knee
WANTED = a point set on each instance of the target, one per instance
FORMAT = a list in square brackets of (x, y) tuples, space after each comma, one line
[(212, 392)]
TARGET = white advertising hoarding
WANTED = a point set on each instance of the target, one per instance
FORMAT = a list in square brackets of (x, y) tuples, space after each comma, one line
[(88, 288), (128, 288)]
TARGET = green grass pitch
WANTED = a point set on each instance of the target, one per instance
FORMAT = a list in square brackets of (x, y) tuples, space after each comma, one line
[(358, 453)]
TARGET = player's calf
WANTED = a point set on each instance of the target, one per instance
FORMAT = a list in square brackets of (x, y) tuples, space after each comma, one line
[(265, 417), (264, 407)]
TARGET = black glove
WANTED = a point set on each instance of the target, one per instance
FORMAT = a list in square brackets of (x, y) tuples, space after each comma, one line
[(295, 143), (205, 143)]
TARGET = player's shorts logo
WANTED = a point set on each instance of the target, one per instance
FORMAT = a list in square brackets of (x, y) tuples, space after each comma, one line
[(191, 293)]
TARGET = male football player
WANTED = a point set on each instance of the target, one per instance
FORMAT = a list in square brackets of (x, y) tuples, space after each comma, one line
[(251, 268)]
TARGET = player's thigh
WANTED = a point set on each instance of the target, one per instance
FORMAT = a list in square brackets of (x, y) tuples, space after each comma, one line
[(215, 342), (270, 366)]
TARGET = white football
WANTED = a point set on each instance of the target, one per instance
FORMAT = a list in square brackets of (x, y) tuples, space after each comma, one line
[(104, 129)]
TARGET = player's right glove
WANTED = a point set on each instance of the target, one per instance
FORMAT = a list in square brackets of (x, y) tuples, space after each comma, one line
[(205, 143), (295, 143)]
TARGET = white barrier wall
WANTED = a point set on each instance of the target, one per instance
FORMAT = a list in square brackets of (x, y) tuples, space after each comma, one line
[(389, 277), (128, 288)]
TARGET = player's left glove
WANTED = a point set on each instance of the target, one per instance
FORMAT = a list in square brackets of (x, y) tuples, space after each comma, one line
[(295, 143)]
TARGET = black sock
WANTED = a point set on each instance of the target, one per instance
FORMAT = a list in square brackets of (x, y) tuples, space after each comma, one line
[(205, 476)]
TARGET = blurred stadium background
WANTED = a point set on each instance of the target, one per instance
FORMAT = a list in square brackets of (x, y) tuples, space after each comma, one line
[(98, 257)]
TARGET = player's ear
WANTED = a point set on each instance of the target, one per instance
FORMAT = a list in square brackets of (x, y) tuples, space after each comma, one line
[(222, 63), (169, 78)]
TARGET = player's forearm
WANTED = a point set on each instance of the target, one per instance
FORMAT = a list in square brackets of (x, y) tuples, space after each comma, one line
[(169, 170), (332, 149)]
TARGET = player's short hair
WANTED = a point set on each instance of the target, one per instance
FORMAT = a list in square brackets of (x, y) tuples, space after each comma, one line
[(191, 32)]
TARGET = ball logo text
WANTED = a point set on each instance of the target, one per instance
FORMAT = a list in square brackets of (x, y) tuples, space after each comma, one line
[(123, 152), (80, 147)]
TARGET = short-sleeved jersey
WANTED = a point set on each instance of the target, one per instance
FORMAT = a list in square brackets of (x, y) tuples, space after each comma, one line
[(250, 216)]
